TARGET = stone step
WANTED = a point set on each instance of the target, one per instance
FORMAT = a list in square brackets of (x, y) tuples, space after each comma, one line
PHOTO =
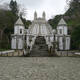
[(40, 49)]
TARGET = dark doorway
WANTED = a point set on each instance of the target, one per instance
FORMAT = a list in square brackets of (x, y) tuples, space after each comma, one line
[(40, 49)]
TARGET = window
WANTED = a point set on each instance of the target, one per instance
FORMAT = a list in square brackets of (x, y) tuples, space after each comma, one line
[(60, 31), (20, 31)]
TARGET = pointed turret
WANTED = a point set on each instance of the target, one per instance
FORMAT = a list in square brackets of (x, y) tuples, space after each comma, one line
[(35, 15), (62, 22), (62, 27), (44, 15), (19, 27), (19, 22)]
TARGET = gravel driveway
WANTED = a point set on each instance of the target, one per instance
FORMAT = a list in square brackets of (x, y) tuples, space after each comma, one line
[(39, 68)]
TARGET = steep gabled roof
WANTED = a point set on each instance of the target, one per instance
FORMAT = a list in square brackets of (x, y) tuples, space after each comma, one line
[(19, 22), (62, 22)]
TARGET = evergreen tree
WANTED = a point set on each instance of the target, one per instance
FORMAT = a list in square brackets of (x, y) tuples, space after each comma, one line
[(14, 7)]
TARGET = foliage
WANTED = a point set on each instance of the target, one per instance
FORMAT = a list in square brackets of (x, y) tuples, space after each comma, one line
[(72, 17), (73, 13), (14, 7), (74, 22), (26, 22), (76, 37), (53, 22), (74, 8), (7, 21)]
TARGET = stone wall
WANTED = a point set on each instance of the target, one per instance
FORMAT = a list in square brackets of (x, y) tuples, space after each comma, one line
[(16, 53), (65, 53), (20, 53)]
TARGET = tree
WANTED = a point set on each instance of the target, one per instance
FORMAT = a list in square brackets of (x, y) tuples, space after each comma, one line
[(27, 23), (8, 17), (74, 8), (14, 7), (54, 22), (22, 12), (75, 36), (7, 20)]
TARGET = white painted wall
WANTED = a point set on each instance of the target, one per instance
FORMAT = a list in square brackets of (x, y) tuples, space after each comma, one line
[(35, 29), (51, 38), (60, 43), (17, 29), (20, 43), (13, 43), (67, 46), (44, 30), (63, 28), (27, 40), (39, 30), (17, 43)]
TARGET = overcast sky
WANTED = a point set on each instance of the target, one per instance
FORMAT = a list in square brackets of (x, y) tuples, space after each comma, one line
[(51, 7)]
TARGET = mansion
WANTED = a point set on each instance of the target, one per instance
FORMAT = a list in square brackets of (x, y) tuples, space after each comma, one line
[(25, 38)]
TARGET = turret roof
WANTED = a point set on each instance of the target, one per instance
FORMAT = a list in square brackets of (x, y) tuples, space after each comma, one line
[(19, 22), (62, 22)]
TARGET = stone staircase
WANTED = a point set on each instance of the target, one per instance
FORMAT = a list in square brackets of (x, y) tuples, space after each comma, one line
[(40, 49)]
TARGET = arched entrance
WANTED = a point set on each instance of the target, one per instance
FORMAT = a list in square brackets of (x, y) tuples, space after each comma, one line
[(40, 49)]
